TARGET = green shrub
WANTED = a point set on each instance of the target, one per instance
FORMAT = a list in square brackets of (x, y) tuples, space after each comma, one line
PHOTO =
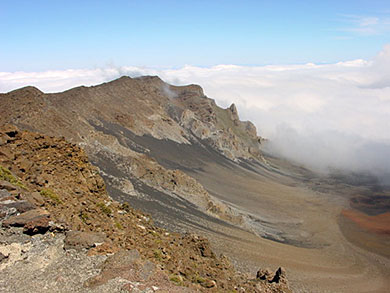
[(178, 280), (48, 193), (105, 209), (200, 280), (84, 217), (118, 225), (158, 254), (6, 175)]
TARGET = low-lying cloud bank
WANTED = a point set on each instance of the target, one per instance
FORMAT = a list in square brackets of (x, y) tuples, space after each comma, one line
[(324, 116)]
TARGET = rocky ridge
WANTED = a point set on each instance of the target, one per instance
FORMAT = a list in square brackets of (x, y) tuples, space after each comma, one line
[(101, 119), (146, 106), (57, 218)]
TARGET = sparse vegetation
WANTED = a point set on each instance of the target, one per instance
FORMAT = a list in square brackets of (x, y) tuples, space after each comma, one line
[(84, 217), (178, 280), (118, 225), (158, 254), (6, 175), (48, 193), (199, 279), (105, 209), (154, 233)]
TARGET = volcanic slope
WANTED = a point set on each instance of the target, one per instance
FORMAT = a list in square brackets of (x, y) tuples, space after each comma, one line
[(61, 232), (172, 152)]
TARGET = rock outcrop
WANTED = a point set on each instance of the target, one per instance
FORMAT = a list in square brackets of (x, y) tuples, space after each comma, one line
[(266, 275)]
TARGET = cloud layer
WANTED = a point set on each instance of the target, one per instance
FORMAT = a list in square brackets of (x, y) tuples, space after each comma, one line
[(333, 115)]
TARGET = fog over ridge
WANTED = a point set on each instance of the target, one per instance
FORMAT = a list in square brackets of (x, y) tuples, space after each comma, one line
[(322, 115)]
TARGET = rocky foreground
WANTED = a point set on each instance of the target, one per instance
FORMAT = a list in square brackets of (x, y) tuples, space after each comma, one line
[(61, 232)]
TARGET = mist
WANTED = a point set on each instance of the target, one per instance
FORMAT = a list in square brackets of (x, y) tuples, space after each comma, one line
[(324, 116)]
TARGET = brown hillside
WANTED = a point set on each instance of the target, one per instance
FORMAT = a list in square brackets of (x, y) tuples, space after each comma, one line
[(56, 176)]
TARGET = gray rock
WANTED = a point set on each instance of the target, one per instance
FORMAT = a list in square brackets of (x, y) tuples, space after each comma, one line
[(6, 185), (20, 205), (4, 193), (122, 258), (35, 198), (79, 240)]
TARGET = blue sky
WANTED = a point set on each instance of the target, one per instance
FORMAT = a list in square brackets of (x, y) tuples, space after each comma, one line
[(45, 35)]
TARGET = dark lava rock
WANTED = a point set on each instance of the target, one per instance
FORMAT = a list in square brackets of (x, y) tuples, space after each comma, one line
[(80, 240), (280, 276)]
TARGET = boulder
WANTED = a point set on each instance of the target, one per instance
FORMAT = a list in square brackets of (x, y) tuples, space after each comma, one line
[(4, 194), (79, 240), (265, 274), (38, 225), (26, 217), (209, 284), (20, 205), (7, 186), (6, 212), (10, 130), (35, 198), (280, 276)]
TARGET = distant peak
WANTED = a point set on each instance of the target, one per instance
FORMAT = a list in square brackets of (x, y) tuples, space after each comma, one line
[(31, 90), (150, 78), (123, 78)]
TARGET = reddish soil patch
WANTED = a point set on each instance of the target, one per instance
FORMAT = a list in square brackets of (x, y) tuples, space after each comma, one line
[(379, 224)]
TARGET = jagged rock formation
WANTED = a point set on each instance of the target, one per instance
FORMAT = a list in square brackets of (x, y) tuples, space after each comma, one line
[(48, 185), (109, 120), (144, 105)]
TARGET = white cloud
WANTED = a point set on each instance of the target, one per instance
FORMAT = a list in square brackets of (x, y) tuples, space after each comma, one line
[(329, 115), (366, 25)]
